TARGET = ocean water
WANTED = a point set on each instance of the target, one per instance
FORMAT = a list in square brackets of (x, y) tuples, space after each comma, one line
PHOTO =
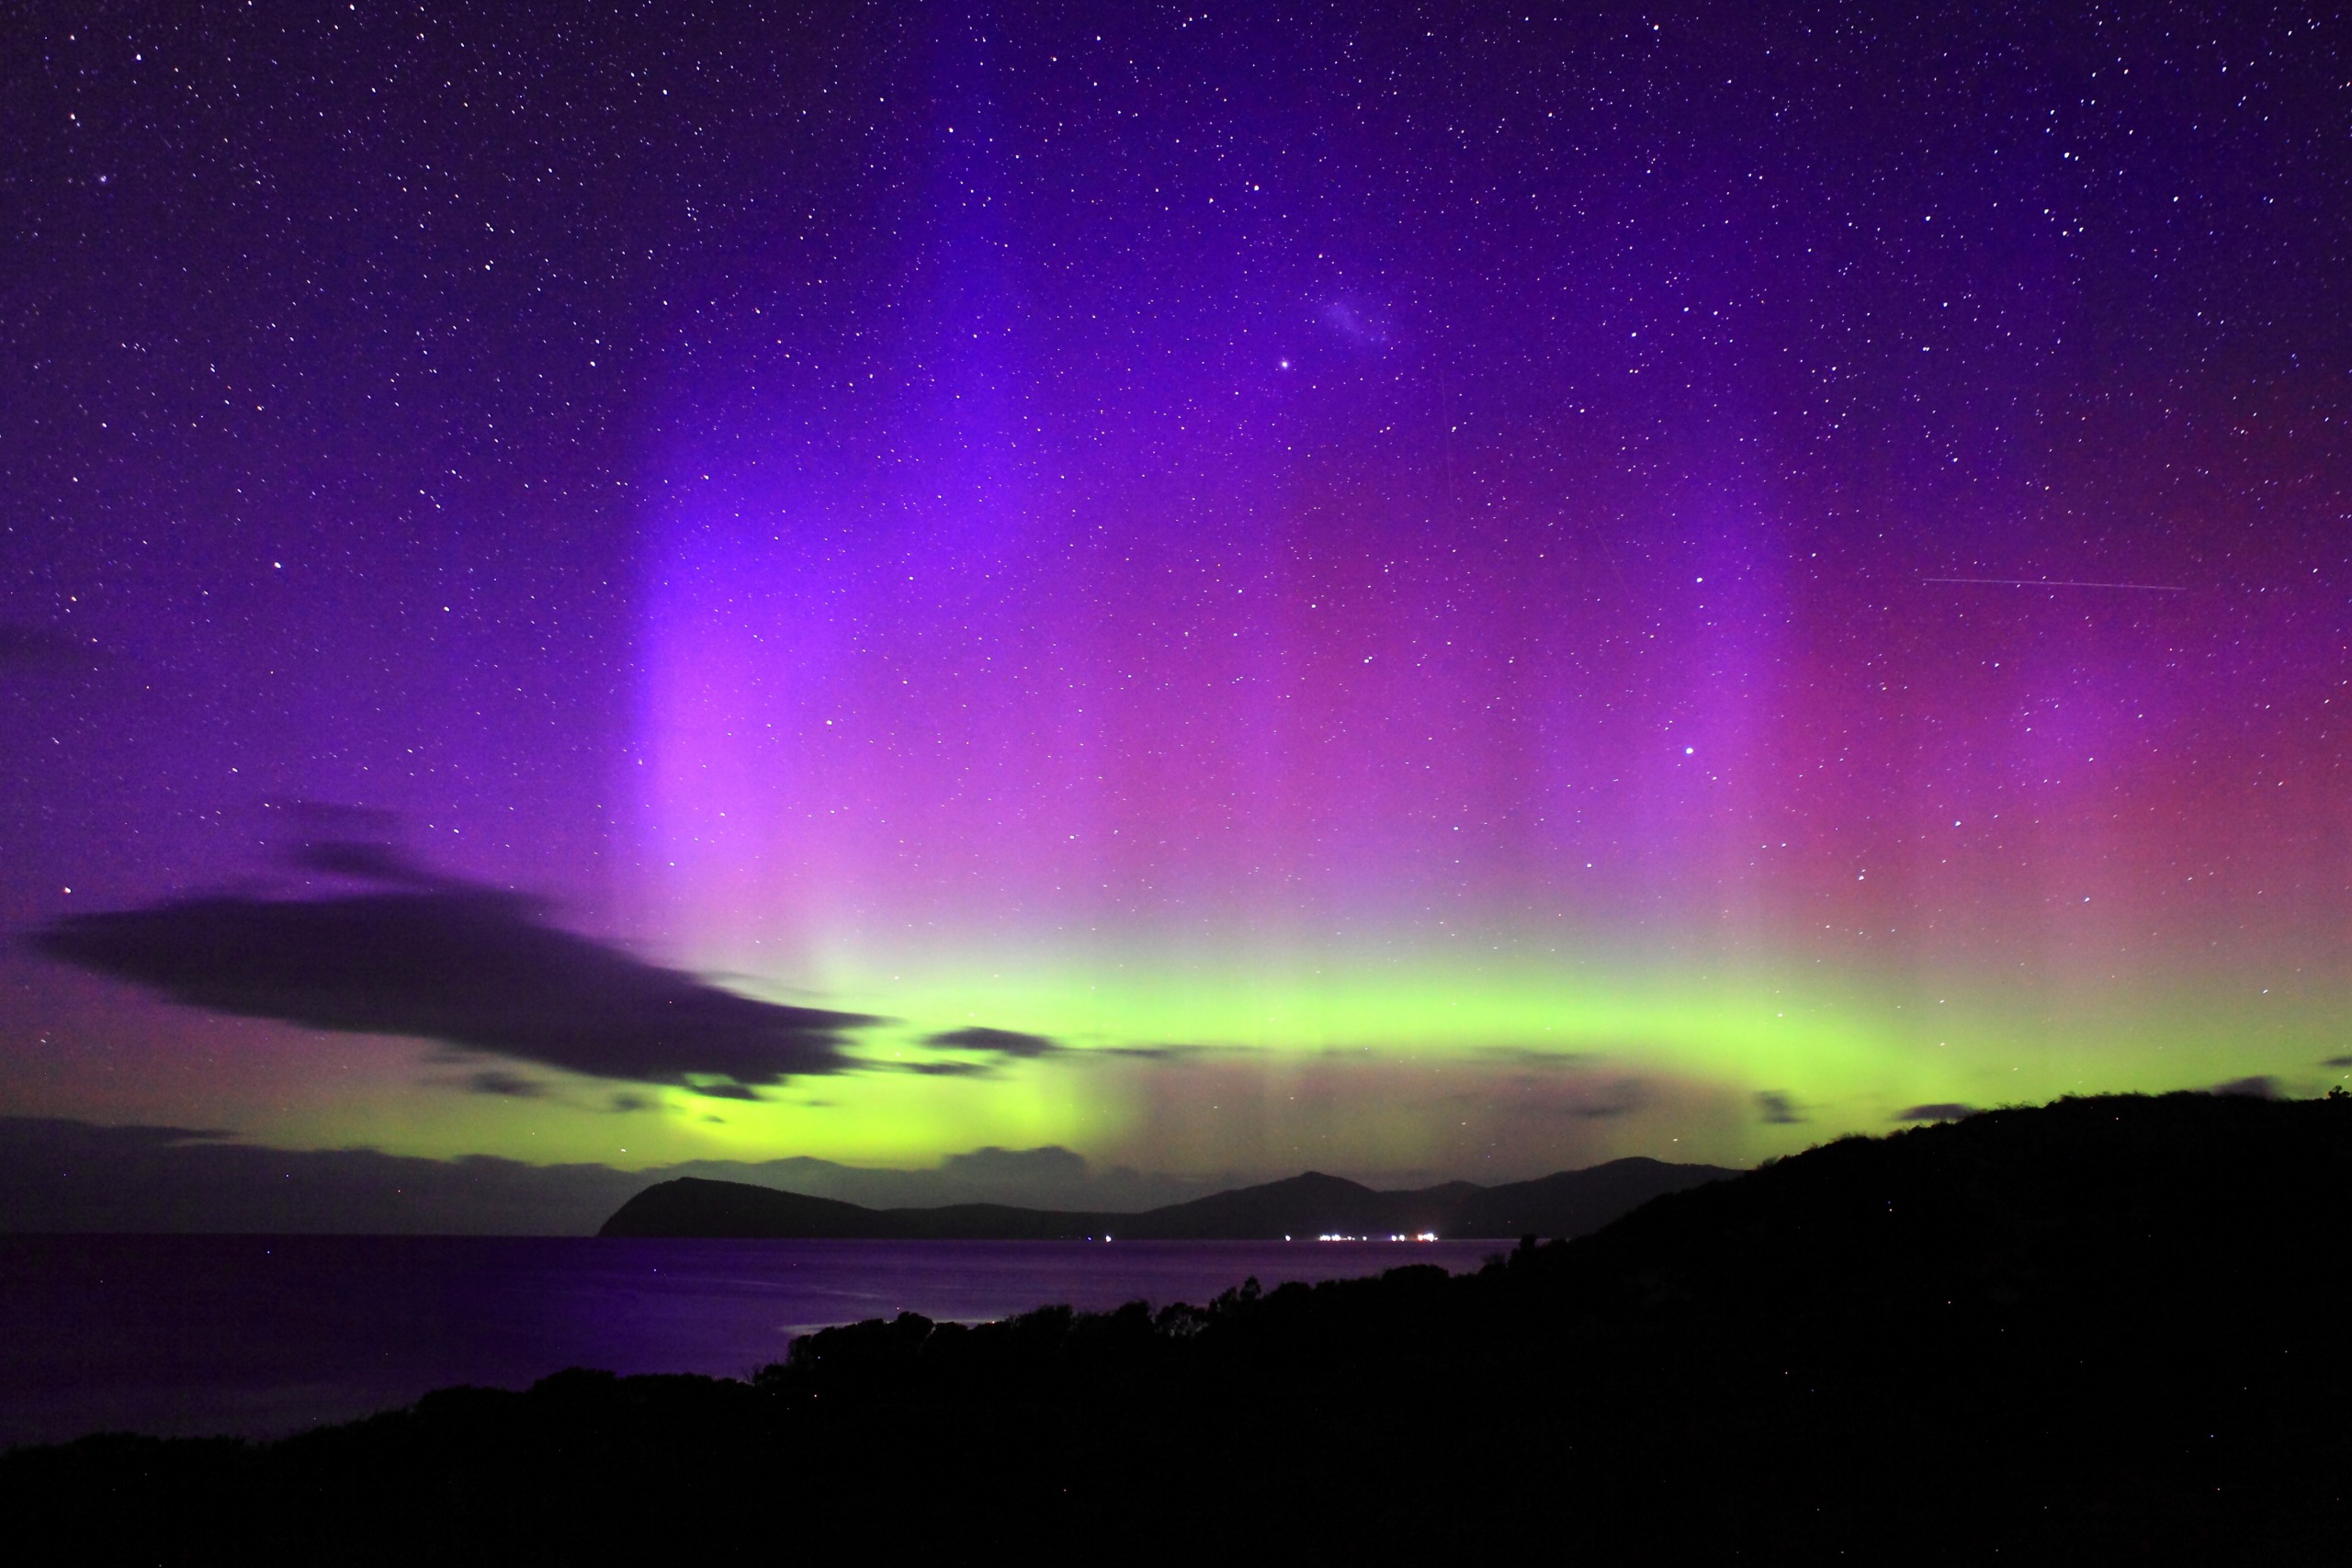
[(264, 1336)]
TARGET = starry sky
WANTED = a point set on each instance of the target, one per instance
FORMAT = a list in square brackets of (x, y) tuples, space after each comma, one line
[(1415, 590)]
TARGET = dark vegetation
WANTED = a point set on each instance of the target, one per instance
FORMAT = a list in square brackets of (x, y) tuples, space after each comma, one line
[(1566, 1203), (2105, 1330)]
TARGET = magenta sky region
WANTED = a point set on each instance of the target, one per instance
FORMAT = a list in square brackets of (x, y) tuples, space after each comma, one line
[(1408, 596)]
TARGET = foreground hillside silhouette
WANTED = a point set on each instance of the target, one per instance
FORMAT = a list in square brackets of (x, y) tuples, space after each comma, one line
[(1566, 1203), (2104, 1331)]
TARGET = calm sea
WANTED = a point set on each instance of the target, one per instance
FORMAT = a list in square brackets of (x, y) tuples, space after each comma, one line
[(262, 1336)]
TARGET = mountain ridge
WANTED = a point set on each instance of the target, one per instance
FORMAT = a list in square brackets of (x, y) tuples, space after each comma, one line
[(1312, 1203)]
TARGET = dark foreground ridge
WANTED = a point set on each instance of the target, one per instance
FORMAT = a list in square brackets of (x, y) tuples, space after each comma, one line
[(1569, 1204), (2104, 1331)]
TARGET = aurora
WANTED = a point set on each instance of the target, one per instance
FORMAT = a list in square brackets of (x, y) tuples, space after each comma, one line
[(1224, 595)]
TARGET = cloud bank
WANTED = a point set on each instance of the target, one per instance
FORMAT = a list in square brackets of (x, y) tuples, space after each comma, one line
[(469, 966)]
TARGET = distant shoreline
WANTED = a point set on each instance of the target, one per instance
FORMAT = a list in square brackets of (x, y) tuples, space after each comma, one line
[(1304, 1208)]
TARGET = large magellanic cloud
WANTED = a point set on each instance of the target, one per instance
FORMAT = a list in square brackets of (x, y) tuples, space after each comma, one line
[(471, 966)]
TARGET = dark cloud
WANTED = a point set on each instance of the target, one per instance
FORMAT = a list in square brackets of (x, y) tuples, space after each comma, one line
[(625, 1102), (1939, 1110), (363, 861), (937, 1069), (725, 1091), (514, 1085), (358, 842), (1777, 1108), (2260, 1086), (1156, 1053), (1537, 1058), (1601, 1103), (467, 966), (1002, 1042), (1050, 1166), (2337, 1062)]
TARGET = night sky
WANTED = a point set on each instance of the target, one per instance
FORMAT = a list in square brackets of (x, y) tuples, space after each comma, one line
[(1418, 592)]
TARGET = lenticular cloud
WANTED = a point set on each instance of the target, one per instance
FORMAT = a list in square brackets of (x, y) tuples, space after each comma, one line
[(471, 967)]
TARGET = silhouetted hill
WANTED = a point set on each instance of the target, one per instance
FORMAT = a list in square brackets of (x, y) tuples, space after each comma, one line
[(693, 1206), (1304, 1205), (2103, 1331), (1573, 1202), (1569, 1204)]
